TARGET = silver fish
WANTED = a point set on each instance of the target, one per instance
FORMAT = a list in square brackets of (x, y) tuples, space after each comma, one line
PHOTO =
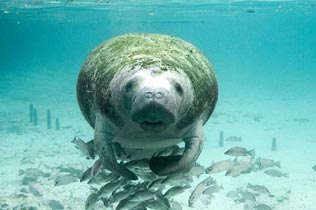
[(34, 172), (243, 166), (212, 189), (143, 195), (276, 173), (96, 167), (65, 179), (83, 147), (177, 180), (148, 177), (164, 201), (156, 184), (258, 188), (108, 188), (196, 170), (264, 163), (246, 162), (173, 191), (262, 207), (69, 170), (143, 164), (248, 196), (33, 188), (140, 206), (198, 190), (119, 195), (103, 177), (240, 151), (159, 205), (234, 172), (237, 170), (233, 138), (175, 205), (86, 175), (126, 204), (91, 200), (220, 166), (55, 205), (232, 194)]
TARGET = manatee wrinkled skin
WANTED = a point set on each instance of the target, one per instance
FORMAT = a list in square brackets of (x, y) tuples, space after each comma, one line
[(146, 93)]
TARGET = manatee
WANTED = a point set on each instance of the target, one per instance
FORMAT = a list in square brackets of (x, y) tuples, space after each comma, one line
[(146, 93)]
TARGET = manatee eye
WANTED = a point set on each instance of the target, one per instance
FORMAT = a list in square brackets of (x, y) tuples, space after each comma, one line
[(129, 86), (179, 89)]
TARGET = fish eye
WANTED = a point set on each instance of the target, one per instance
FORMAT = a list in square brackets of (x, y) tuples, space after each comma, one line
[(179, 88)]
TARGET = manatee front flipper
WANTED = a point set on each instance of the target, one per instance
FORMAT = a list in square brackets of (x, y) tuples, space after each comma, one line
[(103, 146), (170, 165)]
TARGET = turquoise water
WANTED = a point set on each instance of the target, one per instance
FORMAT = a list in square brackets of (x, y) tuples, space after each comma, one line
[(246, 41), (263, 53)]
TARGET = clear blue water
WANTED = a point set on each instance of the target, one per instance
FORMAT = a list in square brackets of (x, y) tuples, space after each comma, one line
[(263, 53), (246, 41)]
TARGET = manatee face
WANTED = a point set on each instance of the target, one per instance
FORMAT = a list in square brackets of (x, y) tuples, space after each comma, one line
[(156, 100)]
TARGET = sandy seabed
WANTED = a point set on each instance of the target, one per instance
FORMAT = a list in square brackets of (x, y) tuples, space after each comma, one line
[(291, 122)]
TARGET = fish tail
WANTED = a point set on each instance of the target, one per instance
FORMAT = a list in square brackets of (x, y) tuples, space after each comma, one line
[(252, 153), (21, 172), (258, 160), (74, 140)]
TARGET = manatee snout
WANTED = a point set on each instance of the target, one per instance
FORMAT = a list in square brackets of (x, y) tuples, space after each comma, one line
[(153, 110)]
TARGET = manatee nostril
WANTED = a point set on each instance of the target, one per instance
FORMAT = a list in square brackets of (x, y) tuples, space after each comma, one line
[(158, 95), (149, 94)]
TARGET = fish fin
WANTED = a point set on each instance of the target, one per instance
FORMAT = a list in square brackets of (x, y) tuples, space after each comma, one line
[(21, 172), (74, 140), (252, 153), (278, 164), (235, 161)]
